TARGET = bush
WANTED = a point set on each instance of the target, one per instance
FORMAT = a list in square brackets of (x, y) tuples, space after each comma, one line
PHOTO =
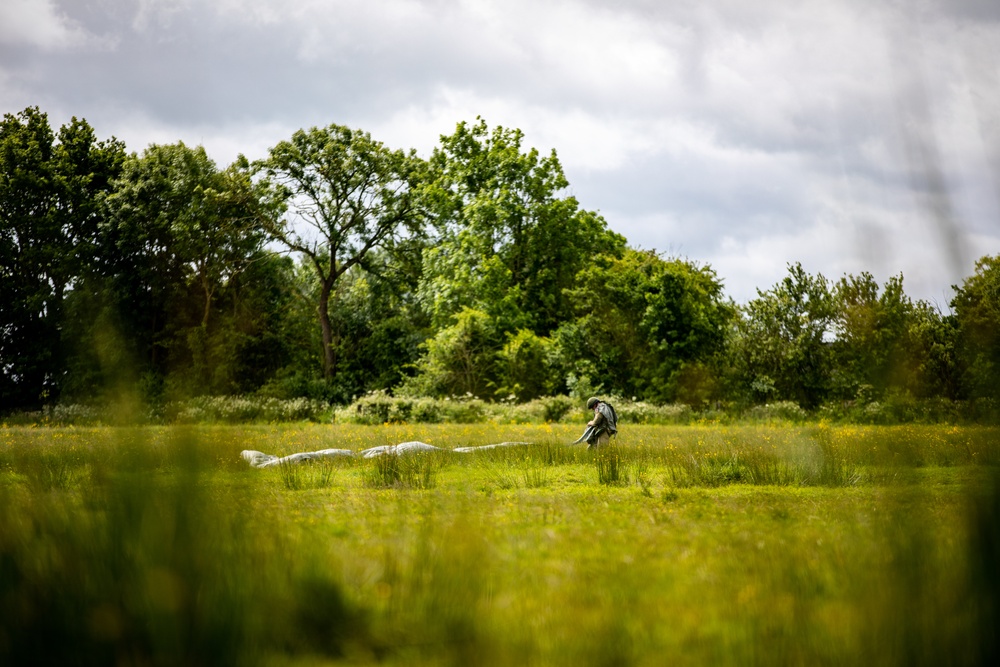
[(149, 569), (379, 407), (900, 409), (70, 414), (244, 409), (548, 409), (778, 411), (640, 412)]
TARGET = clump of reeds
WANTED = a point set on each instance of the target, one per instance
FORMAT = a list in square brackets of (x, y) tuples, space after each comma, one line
[(401, 471), (611, 468)]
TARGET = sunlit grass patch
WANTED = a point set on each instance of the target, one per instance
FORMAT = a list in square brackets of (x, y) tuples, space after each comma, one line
[(711, 543)]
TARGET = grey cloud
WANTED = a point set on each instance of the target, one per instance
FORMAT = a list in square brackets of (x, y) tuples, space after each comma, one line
[(805, 111)]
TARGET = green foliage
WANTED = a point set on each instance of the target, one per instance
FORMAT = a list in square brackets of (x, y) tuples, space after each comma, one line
[(379, 328), (145, 576), (378, 407), (143, 280), (934, 361), (779, 411), (526, 368), (353, 194), (780, 350), (183, 277), (245, 409), (154, 566), (870, 333), (647, 326), (313, 474), (977, 314), (459, 360), (885, 343), (400, 471), (509, 244), (197, 410), (50, 191), (610, 466)]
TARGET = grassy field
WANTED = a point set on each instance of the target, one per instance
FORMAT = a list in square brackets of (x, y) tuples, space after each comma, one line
[(678, 545)]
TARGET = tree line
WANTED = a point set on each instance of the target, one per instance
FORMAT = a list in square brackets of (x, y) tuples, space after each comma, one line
[(336, 266)]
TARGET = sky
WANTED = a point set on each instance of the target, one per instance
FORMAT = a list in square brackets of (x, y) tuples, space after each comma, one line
[(846, 135)]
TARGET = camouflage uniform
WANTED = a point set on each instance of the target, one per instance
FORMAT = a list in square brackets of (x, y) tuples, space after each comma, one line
[(601, 427)]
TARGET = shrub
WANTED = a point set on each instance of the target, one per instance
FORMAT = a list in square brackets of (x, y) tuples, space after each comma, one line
[(640, 412), (379, 407), (523, 362), (778, 411), (244, 409)]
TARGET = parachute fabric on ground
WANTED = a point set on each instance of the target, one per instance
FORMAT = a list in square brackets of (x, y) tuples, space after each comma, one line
[(401, 448), (261, 460), (465, 450)]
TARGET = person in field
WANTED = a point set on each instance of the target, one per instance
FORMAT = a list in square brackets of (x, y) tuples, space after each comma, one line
[(602, 426)]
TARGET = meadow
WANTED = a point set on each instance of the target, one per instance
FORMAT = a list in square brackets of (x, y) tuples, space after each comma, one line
[(698, 544)]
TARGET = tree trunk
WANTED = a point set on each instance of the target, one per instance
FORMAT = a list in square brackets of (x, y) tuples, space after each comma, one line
[(325, 325), (207, 308)]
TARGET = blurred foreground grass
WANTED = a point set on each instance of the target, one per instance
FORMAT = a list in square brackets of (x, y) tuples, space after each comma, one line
[(682, 545)]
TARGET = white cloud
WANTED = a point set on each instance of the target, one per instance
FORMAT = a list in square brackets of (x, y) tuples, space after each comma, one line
[(36, 23)]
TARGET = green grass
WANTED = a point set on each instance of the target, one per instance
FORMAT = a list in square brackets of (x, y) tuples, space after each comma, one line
[(678, 545)]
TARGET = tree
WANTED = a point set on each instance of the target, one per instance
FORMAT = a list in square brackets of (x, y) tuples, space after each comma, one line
[(781, 348), (977, 313), (508, 243), (648, 326), (178, 232), (525, 366), (931, 343), (348, 195), (379, 325), (871, 347), (884, 342), (50, 195), (458, 360)]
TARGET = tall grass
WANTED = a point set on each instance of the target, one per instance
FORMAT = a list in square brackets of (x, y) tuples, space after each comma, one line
[(402, 471), (610, 467), (310, 474), (699, 545), (137, 572)]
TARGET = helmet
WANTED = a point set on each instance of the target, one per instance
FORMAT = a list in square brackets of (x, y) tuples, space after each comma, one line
[(591, 402)]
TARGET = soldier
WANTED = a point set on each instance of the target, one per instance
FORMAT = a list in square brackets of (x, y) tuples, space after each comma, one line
[(602, 426)]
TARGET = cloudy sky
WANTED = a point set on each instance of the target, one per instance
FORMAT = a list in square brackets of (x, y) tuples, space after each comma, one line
[(847, 135)]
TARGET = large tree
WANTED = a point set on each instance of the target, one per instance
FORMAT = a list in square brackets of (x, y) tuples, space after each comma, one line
[(782, 349), (977, 313), (870, 328), (886, 342), (179, 231), (348, 195), (50, 191), (511, 241), (648, 326)]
